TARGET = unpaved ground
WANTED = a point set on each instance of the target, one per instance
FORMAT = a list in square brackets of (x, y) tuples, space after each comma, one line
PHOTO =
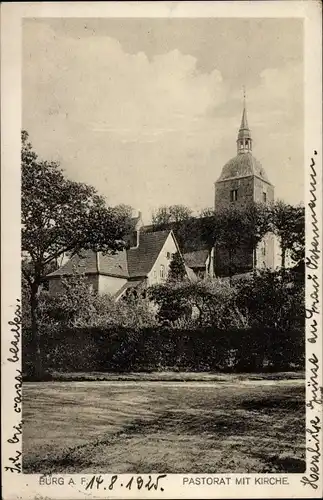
[(164, 427)]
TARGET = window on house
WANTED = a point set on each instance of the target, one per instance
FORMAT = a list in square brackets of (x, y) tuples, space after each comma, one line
[(264, 197), (162, 271), (233, 195), (168, 255), (264, 249), (155, 274)]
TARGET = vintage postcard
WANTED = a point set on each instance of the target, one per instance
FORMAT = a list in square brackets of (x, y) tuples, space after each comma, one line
[(161, 250)]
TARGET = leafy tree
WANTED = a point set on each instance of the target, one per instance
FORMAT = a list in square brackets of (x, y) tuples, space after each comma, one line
[(160, 218), (77, 305), (225, 228), (210, 227), (215, 301), (177, 271), (172, 304), (272, 300), (173, 214), (256, 221), (231, 231), (288, 223), (203, 303), (179, 218), (234, 227), (180, 213), (59, 216)]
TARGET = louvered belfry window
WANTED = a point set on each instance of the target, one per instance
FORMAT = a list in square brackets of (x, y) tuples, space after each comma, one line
[(233, 195)]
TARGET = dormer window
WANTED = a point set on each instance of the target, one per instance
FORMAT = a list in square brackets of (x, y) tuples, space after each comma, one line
[(233, 195)]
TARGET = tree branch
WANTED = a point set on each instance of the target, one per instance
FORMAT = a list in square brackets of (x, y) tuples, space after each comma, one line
[(27, 277)]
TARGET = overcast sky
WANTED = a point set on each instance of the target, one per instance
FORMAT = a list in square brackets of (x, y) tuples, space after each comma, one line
[(147, 110)]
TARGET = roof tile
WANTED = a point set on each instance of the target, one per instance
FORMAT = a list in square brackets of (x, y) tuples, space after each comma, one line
[(142, 259), (131, 263), (196, 259), (243, 165)]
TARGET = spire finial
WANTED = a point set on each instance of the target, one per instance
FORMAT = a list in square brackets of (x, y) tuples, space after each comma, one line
[(244, 96)]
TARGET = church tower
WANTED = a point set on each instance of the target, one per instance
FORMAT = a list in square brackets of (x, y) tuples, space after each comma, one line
[(243, 181)]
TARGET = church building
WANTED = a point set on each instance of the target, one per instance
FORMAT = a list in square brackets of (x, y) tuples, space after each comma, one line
[(242, 182), (147, 258)]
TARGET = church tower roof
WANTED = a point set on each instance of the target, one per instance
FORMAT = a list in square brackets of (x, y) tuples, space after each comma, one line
[(244, 164), (244, 140)]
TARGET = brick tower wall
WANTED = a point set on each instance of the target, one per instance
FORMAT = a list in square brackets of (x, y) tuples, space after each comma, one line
[(244, 187)]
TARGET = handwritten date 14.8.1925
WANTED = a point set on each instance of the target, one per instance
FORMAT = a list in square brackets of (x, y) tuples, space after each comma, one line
[(134, 482)]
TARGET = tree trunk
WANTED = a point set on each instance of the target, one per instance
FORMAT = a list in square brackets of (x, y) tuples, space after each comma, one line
[(37, 365), (283, 264), (230, 266), (254, 258)]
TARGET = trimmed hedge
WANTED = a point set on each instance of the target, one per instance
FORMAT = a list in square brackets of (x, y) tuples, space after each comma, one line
[(153, 349)]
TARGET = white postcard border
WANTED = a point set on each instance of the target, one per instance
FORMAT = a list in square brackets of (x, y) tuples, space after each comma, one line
[(18, 485)]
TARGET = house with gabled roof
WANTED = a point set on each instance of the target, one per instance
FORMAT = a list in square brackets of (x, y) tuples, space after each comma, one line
[(143, 263)]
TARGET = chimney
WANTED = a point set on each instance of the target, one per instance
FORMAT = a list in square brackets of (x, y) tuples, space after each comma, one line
[(134, 236)]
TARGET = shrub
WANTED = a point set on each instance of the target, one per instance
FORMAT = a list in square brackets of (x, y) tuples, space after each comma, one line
[(159, 348), (272, 300), (80, 306), (203, 303)]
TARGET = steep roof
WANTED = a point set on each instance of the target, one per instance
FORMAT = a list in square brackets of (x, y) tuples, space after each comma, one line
[(243, 165), (132, 263), (90, 262), (188, 234), (196, 259), (142, 258), (115, 265), (86, 262)]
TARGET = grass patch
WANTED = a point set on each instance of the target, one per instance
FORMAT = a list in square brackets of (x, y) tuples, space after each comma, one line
[(142, 427), (168, 376)]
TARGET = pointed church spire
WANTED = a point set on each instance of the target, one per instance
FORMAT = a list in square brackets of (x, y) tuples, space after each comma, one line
[(244, 121), (244, 141)]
